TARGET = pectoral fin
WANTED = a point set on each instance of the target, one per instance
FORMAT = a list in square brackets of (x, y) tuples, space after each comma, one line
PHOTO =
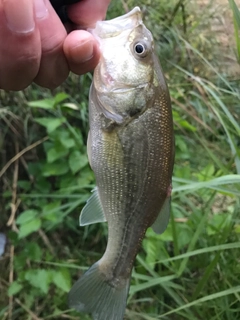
[(93, 211), (160, 224)]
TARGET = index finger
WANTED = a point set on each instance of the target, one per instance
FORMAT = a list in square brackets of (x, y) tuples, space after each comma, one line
[(87, 12)]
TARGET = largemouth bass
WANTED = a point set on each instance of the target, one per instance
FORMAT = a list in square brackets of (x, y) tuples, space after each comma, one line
[(131, 151)]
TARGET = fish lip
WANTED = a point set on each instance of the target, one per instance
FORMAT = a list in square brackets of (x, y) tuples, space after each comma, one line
[(113, 27), (126, 88), (127, 15), (121, 88), (109, 84)]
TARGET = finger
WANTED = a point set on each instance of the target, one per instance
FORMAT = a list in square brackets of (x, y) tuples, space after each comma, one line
[(82, 51), (20, 48), (87, 12), (54, 67)]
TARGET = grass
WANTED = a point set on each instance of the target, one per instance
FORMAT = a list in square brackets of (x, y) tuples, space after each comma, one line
[(190, 272)]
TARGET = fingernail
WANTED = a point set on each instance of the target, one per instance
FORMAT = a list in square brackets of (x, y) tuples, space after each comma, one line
[(41, 10), (19, 15), (82, 52)]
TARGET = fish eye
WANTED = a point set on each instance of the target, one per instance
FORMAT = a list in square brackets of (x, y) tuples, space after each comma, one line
[(140, 49)]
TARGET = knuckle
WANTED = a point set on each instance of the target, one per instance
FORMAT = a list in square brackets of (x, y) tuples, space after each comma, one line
[(52, 45)]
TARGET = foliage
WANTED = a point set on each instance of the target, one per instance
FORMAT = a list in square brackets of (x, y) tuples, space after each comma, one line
[(236, 22), (189, 272)]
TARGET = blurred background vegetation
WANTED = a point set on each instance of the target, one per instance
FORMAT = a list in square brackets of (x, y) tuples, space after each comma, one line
[(192, 271)]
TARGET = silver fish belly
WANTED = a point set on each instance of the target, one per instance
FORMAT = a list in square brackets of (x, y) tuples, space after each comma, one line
[(131, 151)]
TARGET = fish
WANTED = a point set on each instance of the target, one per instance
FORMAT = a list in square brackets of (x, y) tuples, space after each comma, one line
[(131, 152)]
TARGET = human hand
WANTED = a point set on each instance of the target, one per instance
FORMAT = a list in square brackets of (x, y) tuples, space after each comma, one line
[(35, 46)]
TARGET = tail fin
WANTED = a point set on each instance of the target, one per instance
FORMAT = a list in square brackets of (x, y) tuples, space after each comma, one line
[(91, 293)]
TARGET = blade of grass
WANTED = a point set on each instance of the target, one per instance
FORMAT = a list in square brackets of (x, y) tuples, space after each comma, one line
[(203, 281), (208, 87), (55, 196), (199, 230), (221, 247), (203, 299), (213, 184), (151, 283), (189, 46), (175, 236), (236, 23), (236, 11), (225, 170), (233, 122)]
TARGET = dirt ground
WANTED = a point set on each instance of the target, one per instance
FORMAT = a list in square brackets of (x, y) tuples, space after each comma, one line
[(222, 27)]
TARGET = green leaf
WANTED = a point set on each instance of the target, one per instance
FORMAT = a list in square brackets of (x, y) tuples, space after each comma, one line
[(60, 97), (42, 184), (62, 279), (25, 185), (218, 223), (55, 169), (206, 173), (181, 147), (50, 103), (237, 228), (77, 161), (167, 235), (52, 212), (184, 236), (68, 143), (14, 288), (26, 216), (43, 104), (57, 152), (50, 124), (69, 105), (62, 136), (39, 278), (54, 217), (52, 206), (183, 122), (29, 227), (33, 251), (152, 248)]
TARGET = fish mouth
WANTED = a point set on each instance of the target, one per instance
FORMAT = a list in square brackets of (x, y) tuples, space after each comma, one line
[(127, 88), (112, 85), (118, 87), (113, 27)]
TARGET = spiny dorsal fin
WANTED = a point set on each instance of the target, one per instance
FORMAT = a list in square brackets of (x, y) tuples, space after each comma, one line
[(93, 211)]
